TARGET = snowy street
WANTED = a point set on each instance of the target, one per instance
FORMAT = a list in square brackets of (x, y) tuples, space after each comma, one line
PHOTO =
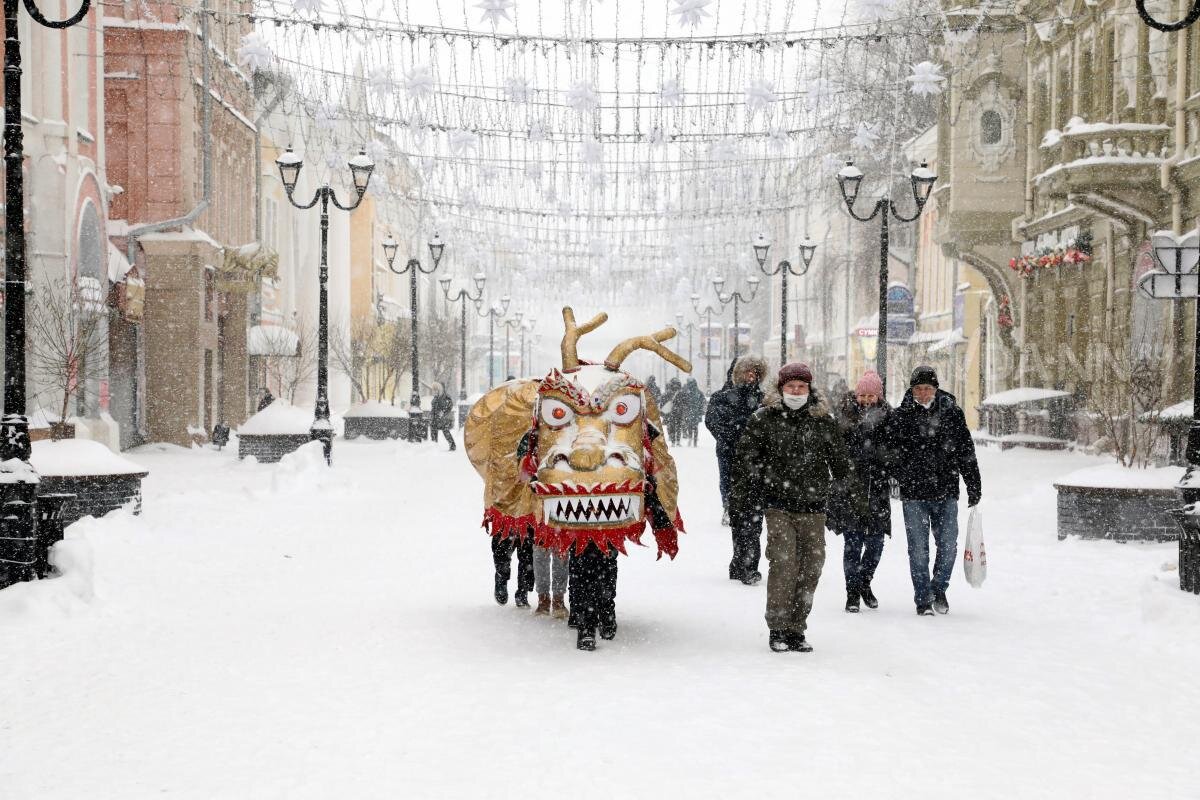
[(290, 631)]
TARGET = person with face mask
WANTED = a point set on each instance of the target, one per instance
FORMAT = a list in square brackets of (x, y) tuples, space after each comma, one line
[(788, 458), (933, 448)]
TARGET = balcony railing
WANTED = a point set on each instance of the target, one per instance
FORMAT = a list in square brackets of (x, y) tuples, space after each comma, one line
[(1122, 152)]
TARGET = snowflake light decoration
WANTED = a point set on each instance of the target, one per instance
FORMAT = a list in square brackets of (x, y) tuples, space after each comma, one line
[(690, 12), (418, 82), (760, 93), (926, 78), (308, 6), (778, 137), (671, 93), (591, 152), (254, 52), (866, 137), (582, 97), (381, 83), (518, 89), (495, 10), (463, 142)]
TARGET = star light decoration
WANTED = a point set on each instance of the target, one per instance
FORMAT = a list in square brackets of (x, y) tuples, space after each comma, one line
[(381, 82), (760, 93), (254, 52), (778, 137), (518, 89), (690, 12), (418, 82), (866, 137), (671, 94), (582, 97), (463, 143), (494, 10), (308, 6), (926, 78)]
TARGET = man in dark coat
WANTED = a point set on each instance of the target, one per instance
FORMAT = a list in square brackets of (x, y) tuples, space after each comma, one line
[(265, 398), (933, 448), (654, 390), (728, 412), (789, 457), (861, 511), (691, 410), (441, 415), (669, 409)]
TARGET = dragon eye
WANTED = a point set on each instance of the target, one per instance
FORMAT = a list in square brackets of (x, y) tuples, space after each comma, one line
[(625, 409), (556, 413)]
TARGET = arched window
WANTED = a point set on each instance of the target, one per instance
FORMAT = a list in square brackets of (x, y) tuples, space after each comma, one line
[(991, 127)]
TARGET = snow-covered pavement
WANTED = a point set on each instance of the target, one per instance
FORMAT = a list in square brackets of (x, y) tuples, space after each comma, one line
[(289, 631)]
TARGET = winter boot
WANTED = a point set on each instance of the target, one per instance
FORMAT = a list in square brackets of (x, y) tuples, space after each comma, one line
[(778, 641), (735, 572), (925, 610), (608, 629), (868, 597), (558, 607), (586, 639), (543, 606), (851, 602), (521, 599), (501, 589), (752, 578), (940, 605), (797, 643)]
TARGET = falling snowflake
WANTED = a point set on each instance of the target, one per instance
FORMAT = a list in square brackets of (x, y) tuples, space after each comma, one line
[(463, 142), (381, 82), (759, 95), (518, 90), (254, 52), (591, 152), (418, 82), (866, 138), (671, 93), (582, 97), (690, 12), (494, 10), (533, 170), (926, 78), (308, 6)]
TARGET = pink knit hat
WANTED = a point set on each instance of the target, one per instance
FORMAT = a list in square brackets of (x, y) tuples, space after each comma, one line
[(869, 383)]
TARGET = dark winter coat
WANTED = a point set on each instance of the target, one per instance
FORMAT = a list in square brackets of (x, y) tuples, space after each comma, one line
[(668, 406), (864, 505), (654, 391), (442, 411), (691, 404), (266, 400), (788, 460), (729, 410), (932, 448)]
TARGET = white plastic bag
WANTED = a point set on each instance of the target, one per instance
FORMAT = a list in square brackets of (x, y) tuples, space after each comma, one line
[(975, 555)]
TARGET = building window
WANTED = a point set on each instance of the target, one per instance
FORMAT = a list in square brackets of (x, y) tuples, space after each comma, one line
[(991, 127)]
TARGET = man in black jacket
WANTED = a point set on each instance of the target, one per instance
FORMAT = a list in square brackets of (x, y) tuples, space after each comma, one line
[(728, 412), (934, 447), (442, 415)]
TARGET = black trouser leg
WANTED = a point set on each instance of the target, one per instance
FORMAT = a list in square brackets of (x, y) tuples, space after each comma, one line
[(607, 599), (445, 432), (525, 564), (747, 544), (502, 556), (593, 586)]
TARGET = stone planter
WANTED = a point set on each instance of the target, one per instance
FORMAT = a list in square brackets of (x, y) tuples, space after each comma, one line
[(268, 448), (1120, 514), (97, 479)]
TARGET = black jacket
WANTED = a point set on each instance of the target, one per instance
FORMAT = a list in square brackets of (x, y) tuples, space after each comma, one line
[(729, 410), (442, 411), (932, 447), (788, 460), (864, 505)]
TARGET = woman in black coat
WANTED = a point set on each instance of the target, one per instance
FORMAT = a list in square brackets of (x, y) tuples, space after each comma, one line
[(860, 511)]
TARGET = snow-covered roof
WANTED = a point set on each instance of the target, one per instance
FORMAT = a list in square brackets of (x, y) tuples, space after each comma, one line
[(272, 340), (278, 418), (1178, 411), (118, 265), (1115, 476), (79, 457), (949, 339), (375, 409), (1025, 394)]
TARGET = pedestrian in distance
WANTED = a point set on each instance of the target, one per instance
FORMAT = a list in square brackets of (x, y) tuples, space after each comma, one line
[(729, 410), (860, 511), (441, 414), (788, 459), (670, 410), (933, 449), (655, 391), (265, 398), (691, 411)]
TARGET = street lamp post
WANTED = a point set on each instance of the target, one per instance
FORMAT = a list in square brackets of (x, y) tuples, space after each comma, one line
[(706, 313), (462, 296), (849, 180), (289, 171), (681, 325), (762, 246), (416, 426), (493, 313), (737, 299), (510, 325), (18, 498), (528, 326)]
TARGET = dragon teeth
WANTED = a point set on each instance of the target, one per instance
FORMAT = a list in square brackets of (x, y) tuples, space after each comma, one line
[(596, 509)]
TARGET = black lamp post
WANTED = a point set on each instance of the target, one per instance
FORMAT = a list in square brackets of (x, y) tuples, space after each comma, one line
[(492, 315), (18, 525), (849, 180), (528, 326), (1167, 27), (737, 299), (706, 313), (509, 326), (360, 171), (416, 426), (762, 246), (462, 296)]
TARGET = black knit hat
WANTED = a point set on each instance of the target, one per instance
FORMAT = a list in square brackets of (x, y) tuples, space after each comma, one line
[(923, 374)]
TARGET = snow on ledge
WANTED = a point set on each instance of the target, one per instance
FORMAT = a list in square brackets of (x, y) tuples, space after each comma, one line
[(279, 418), (78, 457), (1115, 476), (1026, 394), (376, 409)]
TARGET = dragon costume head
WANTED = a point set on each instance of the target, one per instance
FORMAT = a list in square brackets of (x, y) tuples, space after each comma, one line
[(578, 457)]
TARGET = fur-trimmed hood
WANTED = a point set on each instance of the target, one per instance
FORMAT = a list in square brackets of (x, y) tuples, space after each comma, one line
[(816, 404)]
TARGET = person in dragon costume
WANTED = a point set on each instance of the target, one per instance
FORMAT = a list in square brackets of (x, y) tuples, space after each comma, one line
[(578, 460)]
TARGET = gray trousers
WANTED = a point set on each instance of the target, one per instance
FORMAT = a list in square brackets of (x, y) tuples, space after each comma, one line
[(549, 571), (796, 552)]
